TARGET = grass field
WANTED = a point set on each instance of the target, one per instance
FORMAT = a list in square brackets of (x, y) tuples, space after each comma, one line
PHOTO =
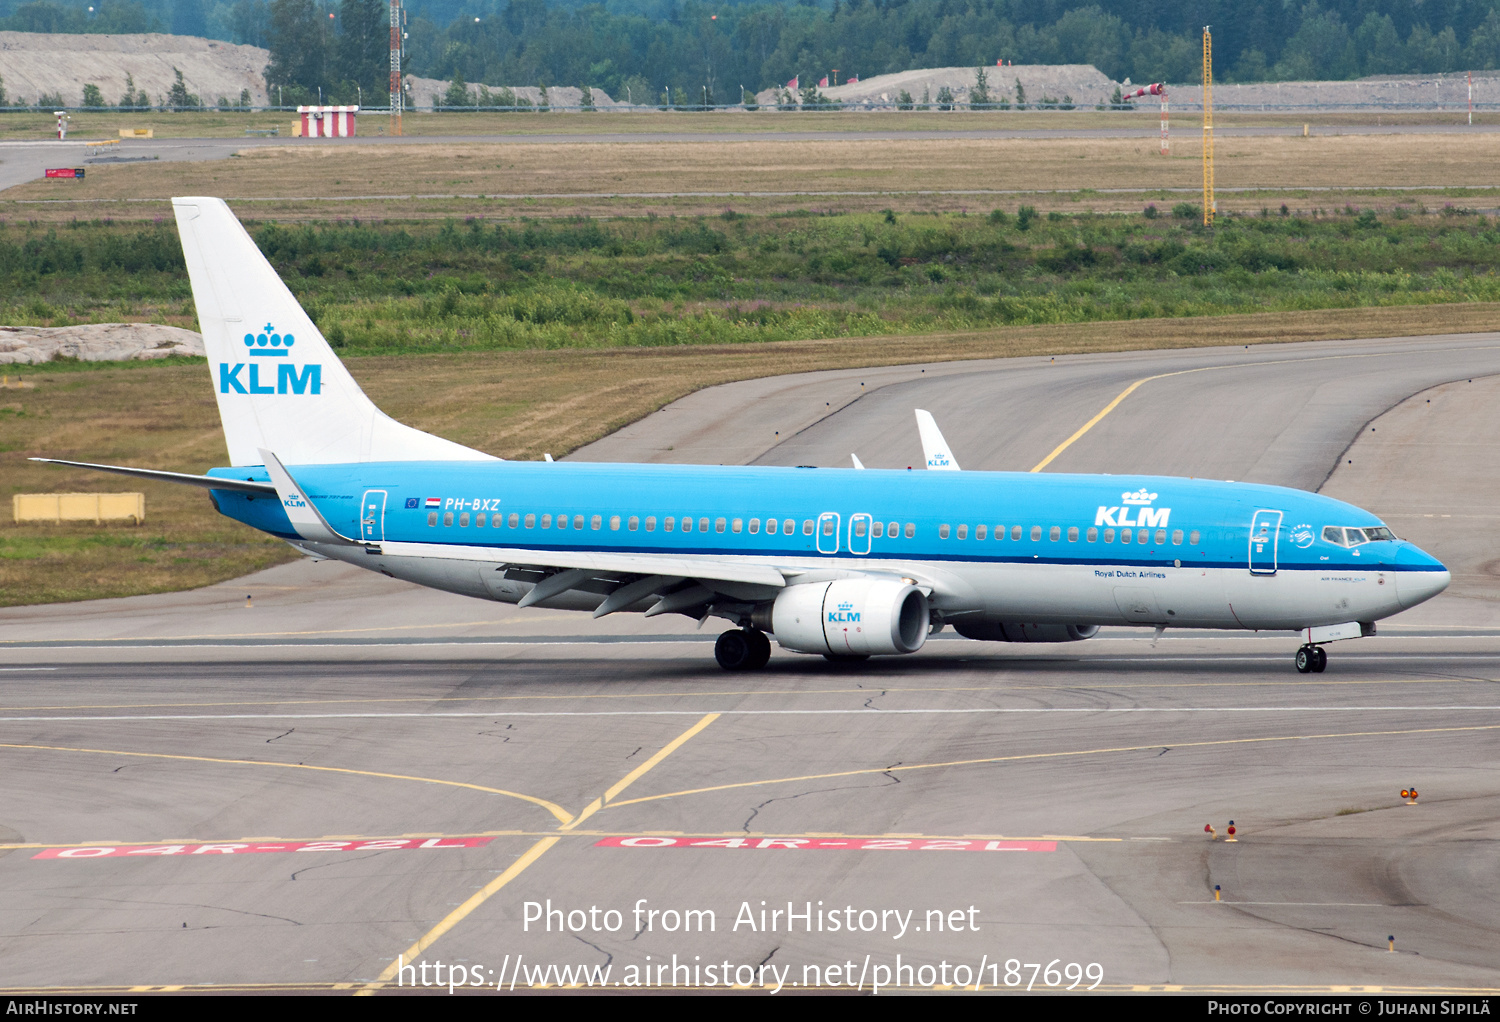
[(515, 179), (30, 124), (516, 404)]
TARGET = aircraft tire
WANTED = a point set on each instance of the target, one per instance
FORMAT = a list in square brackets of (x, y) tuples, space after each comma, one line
[(1306, 659), (1321, 663), (735, 650), (760, 647)]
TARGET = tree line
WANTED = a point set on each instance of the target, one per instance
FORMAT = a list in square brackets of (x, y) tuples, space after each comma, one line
[(636, 50)]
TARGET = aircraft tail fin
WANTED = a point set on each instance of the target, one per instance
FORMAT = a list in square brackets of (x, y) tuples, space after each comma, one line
[(279, 385), (934, 447)]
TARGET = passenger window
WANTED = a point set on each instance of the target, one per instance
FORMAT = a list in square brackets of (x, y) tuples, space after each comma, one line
[(432, 518), (596, 522), (980, 531), (1124, 535), (634, 524), (860, 527), (1109, 535), (963, 532), (687, 524), (1193, 537), (497, 521), (1177, 537), (788, 527), (1143, 537), (531, 521), (562, 521), (754, 526), (703, 525), (668, 524), (1015, 532), (447, 518), (943, 531), (650, 523), (771, 526), (1093, 535), (1161, 537), (479, 521), (515, 521), (877, 529), (807, 527), (1054, 534), (1036, 533), (911, 530), (463, 520), (578, 521), (892, 528), (614, 523), (546, 521), (1072, 534), (719, 525)]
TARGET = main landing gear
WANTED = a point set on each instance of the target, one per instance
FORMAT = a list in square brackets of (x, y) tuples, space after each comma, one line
[(742, 649), (1312, 659)]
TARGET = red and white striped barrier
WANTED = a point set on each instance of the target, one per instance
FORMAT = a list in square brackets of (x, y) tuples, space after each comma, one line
[(327, 121)]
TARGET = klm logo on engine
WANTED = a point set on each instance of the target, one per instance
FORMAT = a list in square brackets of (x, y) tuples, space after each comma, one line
[(244, 378), (846, 614), (1135, 510)]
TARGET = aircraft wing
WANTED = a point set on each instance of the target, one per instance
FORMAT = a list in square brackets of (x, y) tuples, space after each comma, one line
[(667, 565)]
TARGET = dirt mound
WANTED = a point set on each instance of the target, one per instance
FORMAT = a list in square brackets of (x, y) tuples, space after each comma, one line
[(35, 64), (426, 93), (96, 342), (1084, 83)]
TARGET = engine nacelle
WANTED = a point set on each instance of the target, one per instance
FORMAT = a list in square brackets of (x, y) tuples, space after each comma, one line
[(1016, 631), (851, 617)]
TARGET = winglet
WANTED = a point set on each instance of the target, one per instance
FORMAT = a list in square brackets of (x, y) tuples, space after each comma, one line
[(857, 462), (934, 447), (306, 519)]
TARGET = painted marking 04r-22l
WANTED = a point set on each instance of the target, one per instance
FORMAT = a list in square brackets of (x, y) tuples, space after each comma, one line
[(248, 847), (852, 844)]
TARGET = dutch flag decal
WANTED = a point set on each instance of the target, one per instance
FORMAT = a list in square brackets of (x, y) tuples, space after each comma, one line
[(434, 501)]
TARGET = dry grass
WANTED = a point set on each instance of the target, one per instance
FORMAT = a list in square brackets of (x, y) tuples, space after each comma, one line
[(805, 166), (28, 124), (515, 404)]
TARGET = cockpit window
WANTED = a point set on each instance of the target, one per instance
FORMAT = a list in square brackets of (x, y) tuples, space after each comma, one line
[(1351, 537)]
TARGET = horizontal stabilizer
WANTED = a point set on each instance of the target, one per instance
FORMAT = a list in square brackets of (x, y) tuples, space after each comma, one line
[(207, 482)]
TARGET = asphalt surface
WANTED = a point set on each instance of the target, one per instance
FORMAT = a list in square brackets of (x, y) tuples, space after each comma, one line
[(1070, 784)]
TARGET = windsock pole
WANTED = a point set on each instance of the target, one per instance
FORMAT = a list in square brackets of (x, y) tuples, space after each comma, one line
[(1155, 89)]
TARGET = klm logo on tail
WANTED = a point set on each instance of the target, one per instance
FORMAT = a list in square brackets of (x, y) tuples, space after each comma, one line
[(289, 378)]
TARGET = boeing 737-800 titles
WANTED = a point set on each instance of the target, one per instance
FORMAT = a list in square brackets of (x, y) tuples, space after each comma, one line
[(837, 562)]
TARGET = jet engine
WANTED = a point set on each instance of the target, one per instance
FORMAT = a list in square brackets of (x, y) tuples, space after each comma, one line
[(1015, 631), (849, 617)]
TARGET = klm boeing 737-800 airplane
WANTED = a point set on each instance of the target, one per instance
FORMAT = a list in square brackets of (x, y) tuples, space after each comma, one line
[(837, 562)]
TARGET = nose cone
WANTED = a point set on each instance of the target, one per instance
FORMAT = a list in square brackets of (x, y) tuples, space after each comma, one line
[(1419, 576)]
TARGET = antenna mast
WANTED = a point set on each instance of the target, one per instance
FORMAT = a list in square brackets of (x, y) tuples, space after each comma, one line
[(397, 93), (1208, 128)]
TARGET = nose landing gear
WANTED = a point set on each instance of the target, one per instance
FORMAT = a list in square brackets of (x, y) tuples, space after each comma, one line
[(742, 649), (1312, 659)]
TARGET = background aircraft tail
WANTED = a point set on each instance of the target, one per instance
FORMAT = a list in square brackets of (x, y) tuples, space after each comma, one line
[(278, 383)]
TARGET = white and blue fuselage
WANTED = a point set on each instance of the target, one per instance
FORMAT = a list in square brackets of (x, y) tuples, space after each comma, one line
[(845, 563)]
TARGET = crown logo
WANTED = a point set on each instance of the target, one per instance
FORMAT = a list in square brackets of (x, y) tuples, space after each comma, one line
[(268, 336), (1138, 497), (846, 606)]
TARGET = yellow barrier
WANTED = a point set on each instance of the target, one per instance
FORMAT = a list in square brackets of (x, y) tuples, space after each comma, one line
[(79, 507), (107, 141), (137, 132)]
